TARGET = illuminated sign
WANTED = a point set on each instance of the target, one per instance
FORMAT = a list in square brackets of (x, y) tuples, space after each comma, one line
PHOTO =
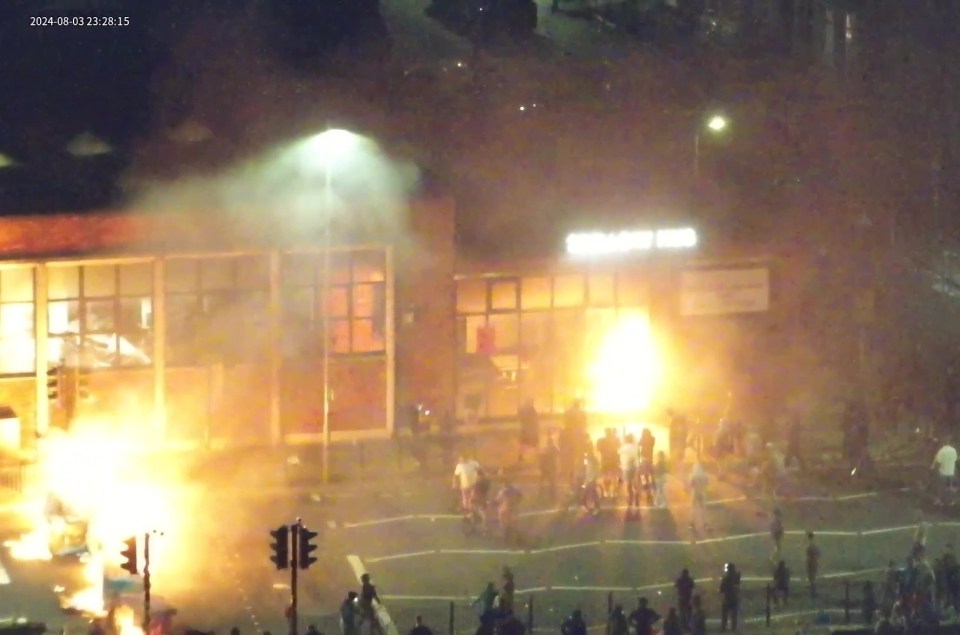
[(625, 242)]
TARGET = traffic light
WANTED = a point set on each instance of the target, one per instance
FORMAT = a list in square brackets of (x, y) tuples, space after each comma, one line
[(54, 380), (281, 547), (129, 554), (306, 547)]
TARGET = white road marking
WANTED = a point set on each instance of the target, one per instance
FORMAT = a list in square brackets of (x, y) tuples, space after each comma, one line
[(539, 512), (889, 530), (536, 589), (847, 574), (654, 587), (401, 556), (729, 538), (467, 552), (356, 565), (684, 543), (378, 521), (591, 588), (566, 547), (426, 598)]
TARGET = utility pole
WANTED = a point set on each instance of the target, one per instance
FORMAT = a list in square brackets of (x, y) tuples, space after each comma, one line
[(146, 582), (294, 565)]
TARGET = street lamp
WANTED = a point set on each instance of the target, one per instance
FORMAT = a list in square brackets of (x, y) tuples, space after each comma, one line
[(329, 147), (715, 124)]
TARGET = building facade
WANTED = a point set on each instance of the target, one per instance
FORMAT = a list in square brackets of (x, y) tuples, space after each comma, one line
[(174, 327)]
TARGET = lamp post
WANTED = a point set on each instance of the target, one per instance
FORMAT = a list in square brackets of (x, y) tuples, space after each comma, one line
[(330, 145), (715, 124)]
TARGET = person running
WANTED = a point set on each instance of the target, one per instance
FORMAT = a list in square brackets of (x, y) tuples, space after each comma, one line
[(465, 476), (813, 563), (629, 461), (479, 502), (508, 500)]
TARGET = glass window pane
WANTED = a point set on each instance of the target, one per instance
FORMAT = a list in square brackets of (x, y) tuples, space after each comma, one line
[(471, 296), (253, 272), (63, 282), (16, 285), (100, 316), (368, 266), (536, 293), (16, 320), (99, 281), (503, 295), (299, 270), (473, 325), (338, 303), (601, 290), (17, 356), (217, 273), (63, 316), (136, 314), (631, 290), (368, 300), (536, 359), (567, 291), (366, 338), (505, 331), (181, 275), (339, 336), (136, 278)]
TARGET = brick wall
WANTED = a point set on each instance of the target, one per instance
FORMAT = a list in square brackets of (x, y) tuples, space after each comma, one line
[(426, 335)]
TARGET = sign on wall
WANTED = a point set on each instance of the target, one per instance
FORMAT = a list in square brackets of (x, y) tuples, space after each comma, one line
[(724, 291)]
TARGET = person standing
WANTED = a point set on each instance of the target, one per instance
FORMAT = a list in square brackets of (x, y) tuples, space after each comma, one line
[(617, 622), (698, 617), (945, 462), (629, 459), (813, 563), (644, 618), (794, 434), (465, 477), (508, 500), (671, 623), (698, 488), (776, 535), (607, 448), (574, 625), (507, 591), (419, 628), (781, 584), (349, 614), (730, 597), (529, 430), (660, 472), (549, 466), (685, 586)]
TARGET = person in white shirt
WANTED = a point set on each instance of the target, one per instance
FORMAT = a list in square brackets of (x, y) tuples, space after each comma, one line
[(465, 476), (629, 462), (945, 462)]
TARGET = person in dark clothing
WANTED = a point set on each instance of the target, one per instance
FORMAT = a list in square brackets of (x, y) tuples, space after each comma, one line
[(510, 625), (794, 434), (698, 617), (643, 618), (781, 584), (617, 622), (671, 624), (549, 466), (349, 616), (684, 586), (419, 628), (869, 603), (312, 630), (506, 591), (413, 420), (574, 625), (730, 594), (529, 430), (368, 595)]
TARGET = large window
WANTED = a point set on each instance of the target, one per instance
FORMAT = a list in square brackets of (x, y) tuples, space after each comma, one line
[(17, 326), (217, 309), (355, 308), (100, 316), (527, 338)]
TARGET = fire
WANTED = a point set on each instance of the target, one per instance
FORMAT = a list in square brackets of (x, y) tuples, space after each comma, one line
[(626, 369), (96, 494), (125, 621)]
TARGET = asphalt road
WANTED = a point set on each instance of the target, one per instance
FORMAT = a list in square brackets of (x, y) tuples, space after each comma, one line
[(419, 556)]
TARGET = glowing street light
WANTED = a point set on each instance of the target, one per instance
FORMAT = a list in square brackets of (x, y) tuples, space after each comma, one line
[(330, 147), (715, 124)]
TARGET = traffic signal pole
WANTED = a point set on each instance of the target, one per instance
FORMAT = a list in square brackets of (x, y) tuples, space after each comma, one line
[(146, 582), (294, 565)]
